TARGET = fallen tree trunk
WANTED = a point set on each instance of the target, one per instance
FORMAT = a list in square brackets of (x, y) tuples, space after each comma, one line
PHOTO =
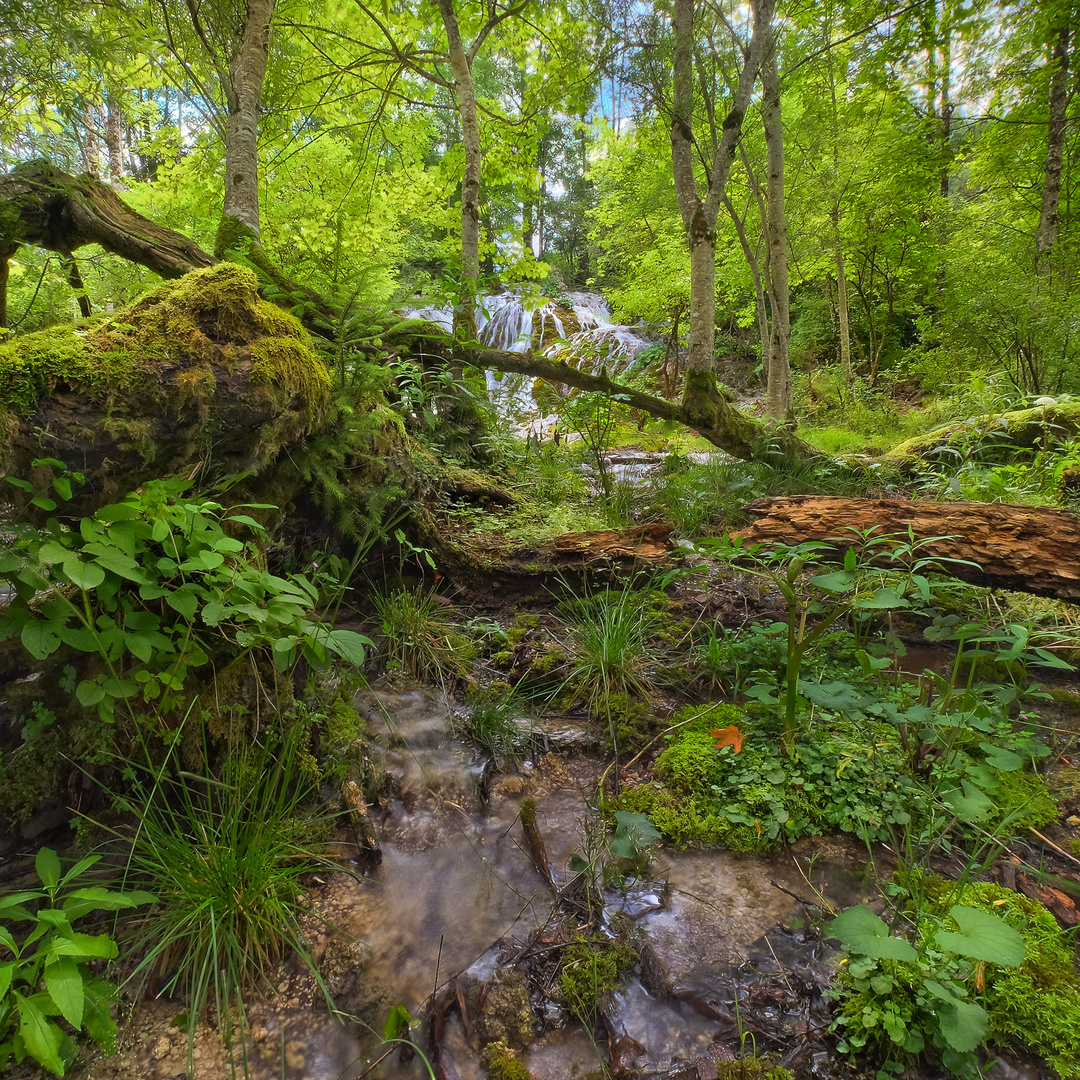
[(1025, 548), (992, 437), (40, 204), (722, 424)]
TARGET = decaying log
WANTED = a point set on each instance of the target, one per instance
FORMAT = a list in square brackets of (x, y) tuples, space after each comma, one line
[(199, 371), (1028, 549), (494, 565), (41, 204)]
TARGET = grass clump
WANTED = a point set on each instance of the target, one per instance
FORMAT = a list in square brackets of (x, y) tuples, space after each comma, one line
[(418, 637), (225, 854), (492, 722)]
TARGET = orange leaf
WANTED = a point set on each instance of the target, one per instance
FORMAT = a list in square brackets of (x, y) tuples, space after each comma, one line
[(729, 736)]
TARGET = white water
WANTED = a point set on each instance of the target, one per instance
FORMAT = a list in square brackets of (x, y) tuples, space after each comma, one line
[(508, 322)]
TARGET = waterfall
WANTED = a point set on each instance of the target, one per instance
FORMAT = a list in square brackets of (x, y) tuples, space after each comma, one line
[(511, 323)]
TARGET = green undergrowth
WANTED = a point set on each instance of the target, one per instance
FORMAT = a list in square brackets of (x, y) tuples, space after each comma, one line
[(853, 775), (593, 968), (896, 1001)]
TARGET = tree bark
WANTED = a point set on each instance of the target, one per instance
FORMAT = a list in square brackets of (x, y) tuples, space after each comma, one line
[(778, 403), (63, 213), (1046, 232), (701, 396), (465, 319), (842, 310), (243, 92), (724, 426), (1024, 548), (113, 128)]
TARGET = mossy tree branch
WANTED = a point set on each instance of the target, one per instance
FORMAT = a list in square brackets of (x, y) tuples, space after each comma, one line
[(702, 409)]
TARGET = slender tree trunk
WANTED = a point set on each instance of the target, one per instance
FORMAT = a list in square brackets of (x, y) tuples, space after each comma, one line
[(113, 131), (847, 371), (778, 401), (1046, 232), (701, 397), (243, 92), (465, 319)]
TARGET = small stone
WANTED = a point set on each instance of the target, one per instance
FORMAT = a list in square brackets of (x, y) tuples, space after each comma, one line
[(1074, 821), (162, 1047)]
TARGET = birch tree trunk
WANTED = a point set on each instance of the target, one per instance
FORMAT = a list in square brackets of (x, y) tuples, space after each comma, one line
[(243, 92), (701, 397), (465, 319), (113, 140), (778, 374)]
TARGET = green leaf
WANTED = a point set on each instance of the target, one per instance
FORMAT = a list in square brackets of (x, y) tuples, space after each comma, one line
[(397, 1023), (97, 1013), (43, 1038), (970, 805), (1001, 759), (39, 639), (84, 575), (89, 693), (47, 865), (983, 937), (95, 898), (963, 1023), (863, 932), (214, 611), (84, 947), (63, 980), (349, 645), (837, 582), (184, 602), (6, 972), (117, 512)]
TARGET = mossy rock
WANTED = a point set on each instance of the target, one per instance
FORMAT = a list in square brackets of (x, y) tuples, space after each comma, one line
[(198, 370)]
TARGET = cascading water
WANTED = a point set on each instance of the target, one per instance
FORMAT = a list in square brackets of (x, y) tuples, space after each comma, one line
[(512, 323)]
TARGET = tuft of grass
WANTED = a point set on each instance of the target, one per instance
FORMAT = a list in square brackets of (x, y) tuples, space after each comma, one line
[(225, 854), (418, 637), (610, 634), (493, 723)]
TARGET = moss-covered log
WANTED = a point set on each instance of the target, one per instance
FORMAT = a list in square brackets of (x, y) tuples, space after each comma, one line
[(40, 204), (200, 370), (702, 409), (993, 437), (1024, 548)]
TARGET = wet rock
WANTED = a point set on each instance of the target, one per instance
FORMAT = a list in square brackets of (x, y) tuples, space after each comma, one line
[(508, 787), (506, 1014), (342, 969)]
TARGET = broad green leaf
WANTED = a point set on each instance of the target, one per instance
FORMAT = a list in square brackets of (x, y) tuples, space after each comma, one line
[(117, 512), (43, 1037), (52, 552), (840, 696), (89, 693), (963, 1023), (39, 639), (47, 865), (837, 582), (863, 932), (983, 937), (214, 611), (397, 1023), (970, 804), (63, 980), (885, 599), (1001, 759), (83, 947), (6, 972), (85, 575), (95, 898), (183, 602), (349, 645), (97, 1013)]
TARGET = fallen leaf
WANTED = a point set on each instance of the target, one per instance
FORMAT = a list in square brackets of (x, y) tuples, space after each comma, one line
[(729, 736)]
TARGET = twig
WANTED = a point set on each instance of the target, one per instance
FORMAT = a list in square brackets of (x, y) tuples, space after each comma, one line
[(1051, 844)]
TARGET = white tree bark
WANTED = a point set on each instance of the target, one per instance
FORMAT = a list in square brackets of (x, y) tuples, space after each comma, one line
[(778, 403), (243, 92), (465, 319)]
